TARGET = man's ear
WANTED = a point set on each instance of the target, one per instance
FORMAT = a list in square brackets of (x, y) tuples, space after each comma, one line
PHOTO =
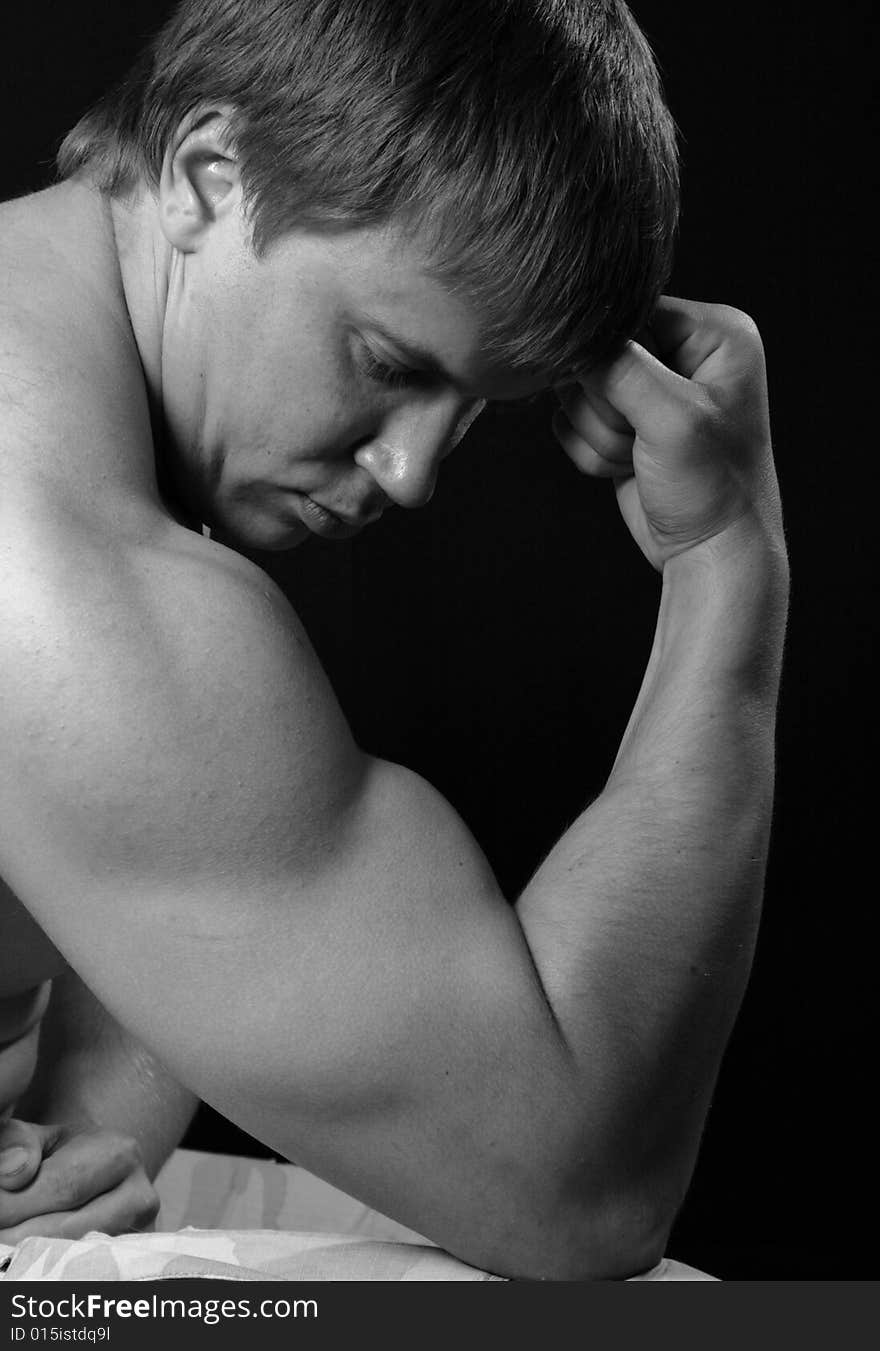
[(200, 181)]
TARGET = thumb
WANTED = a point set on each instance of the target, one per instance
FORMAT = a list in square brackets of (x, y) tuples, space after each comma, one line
[(21, 1153)]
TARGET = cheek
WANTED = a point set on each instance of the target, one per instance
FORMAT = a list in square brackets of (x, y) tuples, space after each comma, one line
[(287, 386), (311, 407)]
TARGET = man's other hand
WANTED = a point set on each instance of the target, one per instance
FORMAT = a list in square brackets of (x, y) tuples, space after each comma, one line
[(63, 1181), (682, 428)]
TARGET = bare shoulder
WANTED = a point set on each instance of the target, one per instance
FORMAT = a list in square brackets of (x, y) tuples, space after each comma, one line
[(68, 360), (163, 662), (143, 663)]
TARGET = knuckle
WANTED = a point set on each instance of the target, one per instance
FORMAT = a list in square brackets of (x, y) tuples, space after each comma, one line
[(126, 1152), (131, 1152), (702, 416), (146, 1202)]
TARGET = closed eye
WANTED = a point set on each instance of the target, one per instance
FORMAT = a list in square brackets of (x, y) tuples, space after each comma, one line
[(393, 376), (392, 370), (383, 372)]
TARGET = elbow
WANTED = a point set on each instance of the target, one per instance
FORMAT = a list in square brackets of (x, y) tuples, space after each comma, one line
[(567, 1224), (603, 1241), (610, 1203), (604, 1210), (559, 1205), (622, 1239), (612, 1221)]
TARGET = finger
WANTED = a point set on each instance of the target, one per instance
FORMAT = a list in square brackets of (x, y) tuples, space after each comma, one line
[(129, 1208), (84, 1166), (600, 426), (590, 386), (21, 1152), (648, 340), (674, 322), (654, 400), (466, 421), (692, 336), (585, 456)]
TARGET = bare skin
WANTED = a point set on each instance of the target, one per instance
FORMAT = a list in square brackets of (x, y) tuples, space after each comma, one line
[(340, 973), (90, 1167)]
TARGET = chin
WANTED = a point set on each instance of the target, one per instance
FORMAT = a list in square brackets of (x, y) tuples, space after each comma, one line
[(278, 544), (266, 540), (253, 530)]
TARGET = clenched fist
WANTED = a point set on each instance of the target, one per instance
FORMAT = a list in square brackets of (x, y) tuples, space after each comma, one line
[(63, 1181), (683, 429)]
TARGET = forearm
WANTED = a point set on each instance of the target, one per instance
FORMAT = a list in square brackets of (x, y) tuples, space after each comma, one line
[(642, 920), (90, 1069)]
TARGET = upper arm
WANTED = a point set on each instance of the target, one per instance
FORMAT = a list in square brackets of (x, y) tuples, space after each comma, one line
[(310, 939)]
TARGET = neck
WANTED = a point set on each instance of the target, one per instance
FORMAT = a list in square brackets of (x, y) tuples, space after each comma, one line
[(111, 246), (144, 268), (145, 265)]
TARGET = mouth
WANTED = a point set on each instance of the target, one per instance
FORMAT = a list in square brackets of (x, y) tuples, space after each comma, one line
[(329, 524)]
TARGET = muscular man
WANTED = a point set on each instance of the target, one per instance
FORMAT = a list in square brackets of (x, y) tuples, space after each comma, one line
[(288, 262)]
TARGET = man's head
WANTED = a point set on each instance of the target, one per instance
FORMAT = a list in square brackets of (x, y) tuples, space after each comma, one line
[(527, 140), (501, 174)]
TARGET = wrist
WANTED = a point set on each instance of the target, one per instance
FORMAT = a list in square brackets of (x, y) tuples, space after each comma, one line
[(724, 606), (715, 665), (751, 546)]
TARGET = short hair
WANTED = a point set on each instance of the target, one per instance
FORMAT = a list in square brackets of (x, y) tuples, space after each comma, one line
[(527, 141)]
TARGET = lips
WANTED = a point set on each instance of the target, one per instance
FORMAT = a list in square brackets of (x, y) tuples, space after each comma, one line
[(329, 524)]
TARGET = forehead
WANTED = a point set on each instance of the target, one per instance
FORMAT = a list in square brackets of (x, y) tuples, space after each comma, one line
[(378, 279)]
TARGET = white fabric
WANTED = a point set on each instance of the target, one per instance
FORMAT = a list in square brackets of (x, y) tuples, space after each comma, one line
[(247, 1220)]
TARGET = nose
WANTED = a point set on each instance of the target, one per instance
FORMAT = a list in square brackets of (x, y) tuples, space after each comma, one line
[(403, 457)]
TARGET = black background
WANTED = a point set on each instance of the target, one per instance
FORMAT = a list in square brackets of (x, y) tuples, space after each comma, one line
[(495, 640)]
